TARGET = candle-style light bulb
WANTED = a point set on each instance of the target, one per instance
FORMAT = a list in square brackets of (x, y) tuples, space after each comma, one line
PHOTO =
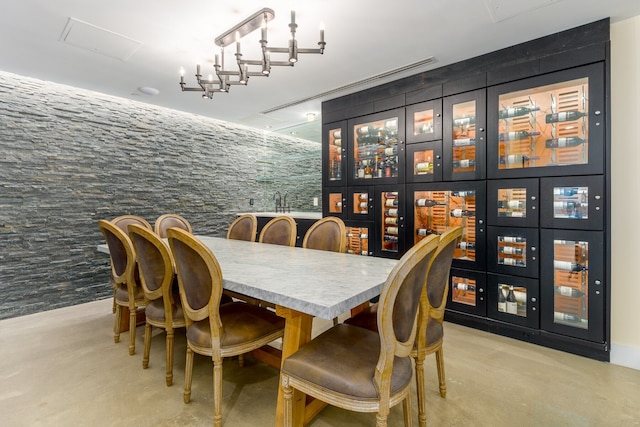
[(293, 16), (198, 69), (238, 47)]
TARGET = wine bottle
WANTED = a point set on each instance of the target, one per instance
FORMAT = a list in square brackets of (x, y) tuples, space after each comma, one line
[(426, 231), (565, 116), (367, 130), (565, 317), (363, 205), (391, 124), (510, 250), (337, 143), (502, 301), (512, 262), (367, 172), (566, 206), (391, 230), (464, 142), (391, 202), (511, 204), (568, 191), (517, 135), (464, 121), (467, 246), (464, 287), (391, 151), (573, 141), (391, 212), (568, 291), (390, 238), (512, 304), (462, 213), (508, 113), (468, 193), (425, 128), (427, 203), (391, 194), (423, 167), (512, 239), (364, 236), (391, 220), (337, 134), (463, 164), (573, 267), (363, 196), (513, 159)]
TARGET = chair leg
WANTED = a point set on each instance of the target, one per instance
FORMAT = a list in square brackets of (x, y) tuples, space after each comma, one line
[(113, 309), (147, 345), (116, 324), (217, 393), (441, 377), (406, 406), (422, 403), (169, 349), (188, 372), (287, 394), (241, 360), (381, 420), (132, 332)]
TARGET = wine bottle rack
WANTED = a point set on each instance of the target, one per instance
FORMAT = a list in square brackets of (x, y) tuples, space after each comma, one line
[(358, 241), (390, 226), (467, 291)]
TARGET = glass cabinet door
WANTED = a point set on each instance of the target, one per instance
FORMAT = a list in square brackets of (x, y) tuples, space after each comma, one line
[(513, 251), (361, 203), (358, 238), (435, 208), (573, 202), (424, 162), (464, 136), (547, 125), (513, 299), (389, 202), (573, 285), (376, 151), (334, 202), (334, 154), (424, 121), (513, 202), (467, 291)]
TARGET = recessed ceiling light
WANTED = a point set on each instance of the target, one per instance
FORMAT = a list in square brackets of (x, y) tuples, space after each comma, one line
[(148, 90)]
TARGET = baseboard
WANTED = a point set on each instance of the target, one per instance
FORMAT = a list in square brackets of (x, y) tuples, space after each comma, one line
[(625, 355)]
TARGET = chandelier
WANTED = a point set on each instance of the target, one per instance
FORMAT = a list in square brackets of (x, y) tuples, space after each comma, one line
[(262, 66)]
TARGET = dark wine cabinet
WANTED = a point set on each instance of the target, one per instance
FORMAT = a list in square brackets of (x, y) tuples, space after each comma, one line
[(513, 147)]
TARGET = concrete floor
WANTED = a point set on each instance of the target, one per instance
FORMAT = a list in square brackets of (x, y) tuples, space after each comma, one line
[(62, 368)]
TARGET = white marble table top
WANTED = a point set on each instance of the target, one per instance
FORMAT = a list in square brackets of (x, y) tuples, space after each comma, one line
[(319, 283), (292, 214)]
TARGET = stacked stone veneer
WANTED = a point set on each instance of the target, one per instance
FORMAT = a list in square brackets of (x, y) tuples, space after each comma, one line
[(70, 157)]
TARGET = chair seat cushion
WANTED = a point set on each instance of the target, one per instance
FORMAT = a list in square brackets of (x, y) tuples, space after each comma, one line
[(155, 310), (343, 359), (122, 295), (241, 323)]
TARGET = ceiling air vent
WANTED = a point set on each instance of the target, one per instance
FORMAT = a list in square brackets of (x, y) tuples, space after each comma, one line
[(98, 40)]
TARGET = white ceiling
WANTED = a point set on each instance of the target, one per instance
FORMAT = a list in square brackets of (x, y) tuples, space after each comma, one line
[(150, 40)]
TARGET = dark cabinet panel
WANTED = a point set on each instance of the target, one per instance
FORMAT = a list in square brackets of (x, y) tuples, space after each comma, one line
[(390, 221), (360, 237), (572, 202), (424, 121), (513, 202), (467, 291), (513, 299), (334, 153), (573, 283), (464, 125), (423, 162), (513, 251), (360, 203), (335, 202)]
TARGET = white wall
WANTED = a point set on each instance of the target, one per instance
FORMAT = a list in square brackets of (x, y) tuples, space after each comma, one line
[(625, 177)]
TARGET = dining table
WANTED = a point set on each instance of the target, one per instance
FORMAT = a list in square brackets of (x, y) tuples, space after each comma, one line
[(301, 284)]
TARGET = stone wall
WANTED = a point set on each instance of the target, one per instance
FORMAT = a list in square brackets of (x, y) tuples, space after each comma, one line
[(70, 157)]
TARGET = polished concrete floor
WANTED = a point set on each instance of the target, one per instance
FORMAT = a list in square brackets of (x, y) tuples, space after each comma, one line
[(62, 368)]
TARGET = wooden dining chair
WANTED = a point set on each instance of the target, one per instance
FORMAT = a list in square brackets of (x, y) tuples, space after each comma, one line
[(327, 234), (358, 369), (122, 222), (243, 227), (157, 277), (215, 330), (281, 230), (129, 292), (430, 318), (166, 221)]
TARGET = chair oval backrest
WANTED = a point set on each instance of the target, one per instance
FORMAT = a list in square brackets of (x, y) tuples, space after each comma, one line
[(327, 234), (243, 228), (167, 221), (199, 277), (120, 252), (154, 262), (123, 222), (280, 230), (438, 278)]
